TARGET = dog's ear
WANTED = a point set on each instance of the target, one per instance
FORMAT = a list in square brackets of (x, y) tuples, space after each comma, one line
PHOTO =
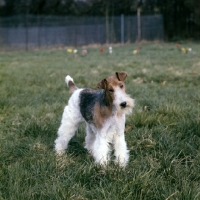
[(102, 84), (121, 76)]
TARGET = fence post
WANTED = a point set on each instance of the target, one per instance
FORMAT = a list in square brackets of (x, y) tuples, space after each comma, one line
[(107, 24), (38, 22), (122, 28), (26, 24), (139, 24)]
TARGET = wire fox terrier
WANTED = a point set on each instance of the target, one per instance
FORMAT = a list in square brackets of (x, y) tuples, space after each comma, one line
[(104, 112)]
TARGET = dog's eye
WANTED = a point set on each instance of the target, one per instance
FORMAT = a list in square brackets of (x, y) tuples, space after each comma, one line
[(121, 86), (111, 90)]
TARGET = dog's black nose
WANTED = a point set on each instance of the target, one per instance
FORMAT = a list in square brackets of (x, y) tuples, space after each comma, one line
[(123, 104)]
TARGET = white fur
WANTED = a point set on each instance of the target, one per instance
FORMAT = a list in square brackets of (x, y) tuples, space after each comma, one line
[(120, 97), (69, 123), (97, 140)]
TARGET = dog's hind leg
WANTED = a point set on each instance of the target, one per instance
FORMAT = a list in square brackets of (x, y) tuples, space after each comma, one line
[(89, 139), (66, 131), (101, 150)]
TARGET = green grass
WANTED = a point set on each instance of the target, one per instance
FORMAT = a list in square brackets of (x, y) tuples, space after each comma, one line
[(163, 133)]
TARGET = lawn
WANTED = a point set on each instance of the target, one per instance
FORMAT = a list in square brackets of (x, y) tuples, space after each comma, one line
[(162, 134)]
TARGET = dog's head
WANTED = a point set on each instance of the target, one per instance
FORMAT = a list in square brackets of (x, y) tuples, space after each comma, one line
[(115, 93)]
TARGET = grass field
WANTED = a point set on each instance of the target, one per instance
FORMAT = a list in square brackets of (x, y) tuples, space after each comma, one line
[(163, 133)]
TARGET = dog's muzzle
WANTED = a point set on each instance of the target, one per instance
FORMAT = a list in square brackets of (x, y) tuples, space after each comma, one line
[(123, 104)]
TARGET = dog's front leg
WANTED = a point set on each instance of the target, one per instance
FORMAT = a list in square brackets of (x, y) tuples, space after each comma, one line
[(101, 149), (121, 152), (89, 139)]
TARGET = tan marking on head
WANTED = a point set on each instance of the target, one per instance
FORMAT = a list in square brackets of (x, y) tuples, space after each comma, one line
[(114, 83), (111, 83), (116, 80), (102, 84), (109, 96), (121, 75)]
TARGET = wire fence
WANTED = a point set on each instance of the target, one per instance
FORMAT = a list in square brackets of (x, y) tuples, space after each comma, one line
[(29, 31)]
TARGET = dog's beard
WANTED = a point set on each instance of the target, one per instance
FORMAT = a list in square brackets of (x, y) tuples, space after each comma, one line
[(129, 107), (125, 110)]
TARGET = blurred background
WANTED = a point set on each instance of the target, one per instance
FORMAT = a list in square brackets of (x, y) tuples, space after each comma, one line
[(27, 24)]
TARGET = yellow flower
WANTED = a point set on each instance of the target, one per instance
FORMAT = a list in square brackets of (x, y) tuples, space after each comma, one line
[(135, 52), (69, 50), (183, 50)]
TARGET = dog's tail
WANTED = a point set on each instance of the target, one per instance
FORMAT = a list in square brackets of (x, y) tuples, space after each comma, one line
[(70, 83)]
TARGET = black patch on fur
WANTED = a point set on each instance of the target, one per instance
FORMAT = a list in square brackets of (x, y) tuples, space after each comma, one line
[(88, 99)]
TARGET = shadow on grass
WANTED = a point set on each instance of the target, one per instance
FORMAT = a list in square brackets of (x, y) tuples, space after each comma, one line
[(46, 133)]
